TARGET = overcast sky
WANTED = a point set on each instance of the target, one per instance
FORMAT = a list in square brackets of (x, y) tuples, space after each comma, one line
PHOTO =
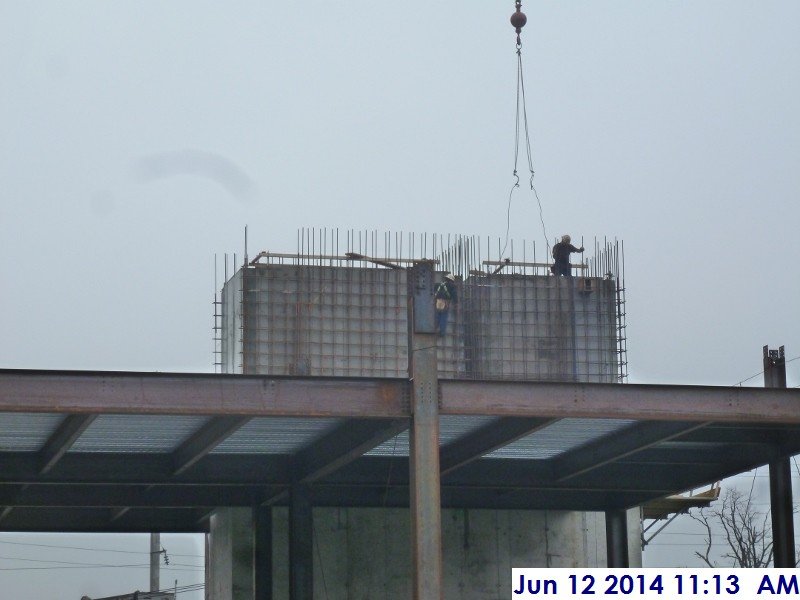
[(139, 138)]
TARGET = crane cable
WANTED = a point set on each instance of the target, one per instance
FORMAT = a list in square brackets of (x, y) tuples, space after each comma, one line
[(518, 20)]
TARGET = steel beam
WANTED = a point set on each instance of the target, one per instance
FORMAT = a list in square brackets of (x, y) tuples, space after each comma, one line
[(615, 401), (457, 497), (741, 435), (63, 438), (616, 446), (719, 456), (91, 520), (272, 474), (193, 394), (343, 445), (487, 439), (119, 496), (146, 469), (4, 512), (83, 392), (203, 441)]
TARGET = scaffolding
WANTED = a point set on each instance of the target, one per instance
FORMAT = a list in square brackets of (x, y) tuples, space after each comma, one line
[(337, 306)]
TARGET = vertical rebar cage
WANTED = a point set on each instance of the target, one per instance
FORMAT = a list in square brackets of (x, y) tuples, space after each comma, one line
[(321, 311)]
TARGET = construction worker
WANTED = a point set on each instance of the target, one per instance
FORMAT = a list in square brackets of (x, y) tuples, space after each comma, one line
[(561, 252), (445, 295)]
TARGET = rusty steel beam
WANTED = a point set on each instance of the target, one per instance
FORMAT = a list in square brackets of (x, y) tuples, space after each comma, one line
[(96, 392), (616, 401), (162, 393)]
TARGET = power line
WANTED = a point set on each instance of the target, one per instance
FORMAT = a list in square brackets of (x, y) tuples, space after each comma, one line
[(192, 587), (90, 549), (53, 568), (761, 372), (74, 564)]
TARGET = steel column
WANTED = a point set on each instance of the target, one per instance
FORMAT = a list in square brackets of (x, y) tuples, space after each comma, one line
[(301, 544), (617, 538), (263, 552), (780, 475), (425, 492), (780, 495), (774, 368)]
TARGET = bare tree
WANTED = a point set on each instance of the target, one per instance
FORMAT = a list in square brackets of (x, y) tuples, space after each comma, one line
[(748, 533)]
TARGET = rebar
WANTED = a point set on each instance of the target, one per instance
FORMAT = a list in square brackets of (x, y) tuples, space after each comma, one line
[(337, 307)]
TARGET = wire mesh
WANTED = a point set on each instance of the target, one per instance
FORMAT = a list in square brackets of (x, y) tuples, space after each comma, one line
[(337, 306)]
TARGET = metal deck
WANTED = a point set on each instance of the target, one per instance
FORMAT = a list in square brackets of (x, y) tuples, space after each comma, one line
[(121, 451)]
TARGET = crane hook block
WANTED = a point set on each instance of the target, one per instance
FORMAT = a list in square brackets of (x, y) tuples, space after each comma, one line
[(518, 19)]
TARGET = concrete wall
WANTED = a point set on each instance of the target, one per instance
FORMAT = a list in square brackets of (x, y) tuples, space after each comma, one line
[(230, 546), (540, 328), (328, 321), (231, 336), (350, 321), (365, 553)]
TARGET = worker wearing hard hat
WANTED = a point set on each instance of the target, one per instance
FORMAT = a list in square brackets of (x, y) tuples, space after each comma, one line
[(445, 296), (561, 252)]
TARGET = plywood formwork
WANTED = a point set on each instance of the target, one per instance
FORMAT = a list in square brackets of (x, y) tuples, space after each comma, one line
[(347, 321), (534, 327), (324, 312)]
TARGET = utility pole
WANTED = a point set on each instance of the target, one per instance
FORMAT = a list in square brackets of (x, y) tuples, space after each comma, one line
[(155, 556)]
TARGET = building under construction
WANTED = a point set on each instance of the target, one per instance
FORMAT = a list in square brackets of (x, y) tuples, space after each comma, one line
[(341, 456), (339, 306)]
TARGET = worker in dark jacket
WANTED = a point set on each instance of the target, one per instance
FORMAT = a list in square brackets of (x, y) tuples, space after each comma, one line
[(445, 295), (561, 252)]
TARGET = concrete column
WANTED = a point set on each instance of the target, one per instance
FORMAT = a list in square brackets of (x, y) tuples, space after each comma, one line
[(780, 474), (425, 501), (230, 555), (301, 544), (617, 538), (263, 553)]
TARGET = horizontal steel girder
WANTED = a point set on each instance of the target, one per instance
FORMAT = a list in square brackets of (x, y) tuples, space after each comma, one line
[(621, 401), (164, 393)]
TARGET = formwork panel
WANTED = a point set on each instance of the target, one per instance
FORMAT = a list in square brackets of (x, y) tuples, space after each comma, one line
[(328, 316)]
